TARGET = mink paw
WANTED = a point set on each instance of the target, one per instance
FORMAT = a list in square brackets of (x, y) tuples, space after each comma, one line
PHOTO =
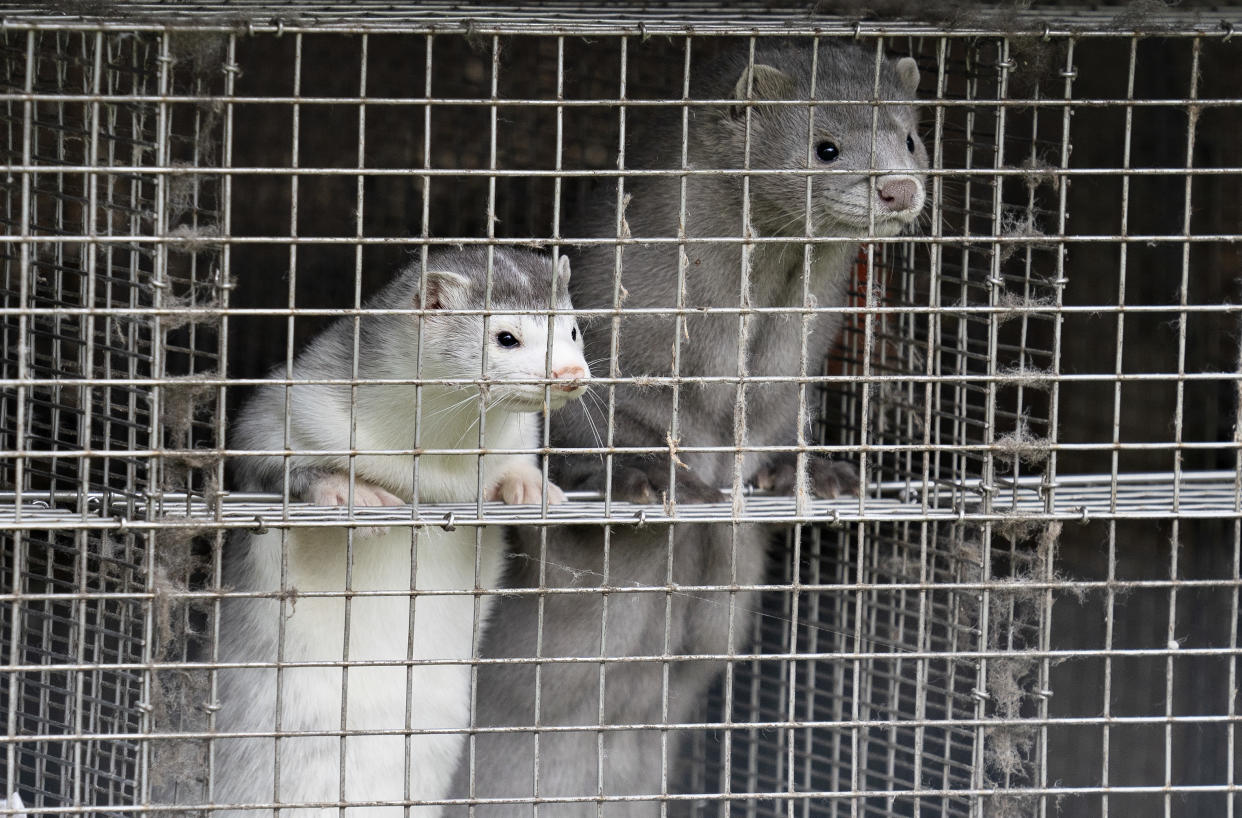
[(333, 490), (648, 484), (829, 478), (523, 484)]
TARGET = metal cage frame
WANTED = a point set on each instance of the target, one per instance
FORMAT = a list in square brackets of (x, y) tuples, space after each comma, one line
[(905, 658)]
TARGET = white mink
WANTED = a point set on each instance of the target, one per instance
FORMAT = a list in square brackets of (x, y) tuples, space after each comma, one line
[(402, 561)]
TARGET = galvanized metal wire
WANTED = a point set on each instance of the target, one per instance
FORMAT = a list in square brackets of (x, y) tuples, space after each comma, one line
[(1032, 607)]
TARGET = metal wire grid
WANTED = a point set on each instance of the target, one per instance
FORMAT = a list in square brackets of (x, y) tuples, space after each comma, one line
[(54, 287), (911, 758), (570, 17), (880, 682)]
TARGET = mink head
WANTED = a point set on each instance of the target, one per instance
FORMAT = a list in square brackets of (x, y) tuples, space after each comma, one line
[(508, 345), (847, 125)]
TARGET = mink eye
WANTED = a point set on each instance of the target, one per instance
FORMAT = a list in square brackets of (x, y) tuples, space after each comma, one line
[(910, 143), (507, 340), (827, 151), (573, 334)]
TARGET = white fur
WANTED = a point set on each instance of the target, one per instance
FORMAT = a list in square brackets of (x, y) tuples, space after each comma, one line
[(402, 560), (314, 627)]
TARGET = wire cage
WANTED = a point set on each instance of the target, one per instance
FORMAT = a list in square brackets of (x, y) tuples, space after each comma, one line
[(1031, 608)]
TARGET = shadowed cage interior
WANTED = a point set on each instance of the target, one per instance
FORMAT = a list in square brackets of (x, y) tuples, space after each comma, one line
[(904, 661)]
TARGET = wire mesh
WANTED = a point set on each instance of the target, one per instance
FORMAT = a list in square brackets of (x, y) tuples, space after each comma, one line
[(1038, 384)]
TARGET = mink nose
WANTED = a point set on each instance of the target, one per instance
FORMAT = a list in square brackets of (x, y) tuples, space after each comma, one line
[(571, 373), (898, 193)]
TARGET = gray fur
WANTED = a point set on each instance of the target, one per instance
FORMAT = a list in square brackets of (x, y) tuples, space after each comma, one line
[(698, 622)]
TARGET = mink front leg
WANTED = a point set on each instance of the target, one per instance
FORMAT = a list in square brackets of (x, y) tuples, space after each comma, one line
[(640, 479), (828, 478)]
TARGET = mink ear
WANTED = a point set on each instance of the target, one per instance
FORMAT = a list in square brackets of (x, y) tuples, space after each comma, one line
[(760, 82), (446, 291), (907, 74), (562, 272)]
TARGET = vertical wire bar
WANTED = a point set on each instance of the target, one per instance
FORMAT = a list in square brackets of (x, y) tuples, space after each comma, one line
[(231, 72), (931, 366), (994, 283), (895, 627), (487, 294), (855, 645), (557, 184), (19, 442), (683, 263), (541, 599), (1069, 73), (951, 370), (119, 700), (223, 286), (814, 617), (739, 415), (155, 473), (416, 532), (106, 250), (492, 219), (800, 471), (493, 115), (1045, 615), (622, 231), (351, 533), (187, 626), (1231, 685), (961, 432), (287, 432), (871, 282), (160, 280), (87, 287), (134, 468), (838, 695), (556, 233), (131, 330), (744, 316), (1192, 116), (857, 739), (89, 262), (11, 194), (87, 259), (754, 748), (863, 681), (1110, 593), (61, 326), (784, 737), (876, 282)]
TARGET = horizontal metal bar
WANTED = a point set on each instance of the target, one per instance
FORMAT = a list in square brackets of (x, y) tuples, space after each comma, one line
[(1098, 500), (549, 729), (598, 19), (839, 656), (792, 797), (1072, 586), (1024, 376), (838, 449), (352, 241), (1034, 309), (607, 173), (930, 103)]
